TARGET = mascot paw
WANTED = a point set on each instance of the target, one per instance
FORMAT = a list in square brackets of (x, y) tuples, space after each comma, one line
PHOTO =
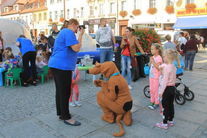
[(127, 119), (98, 83), (111, 121)]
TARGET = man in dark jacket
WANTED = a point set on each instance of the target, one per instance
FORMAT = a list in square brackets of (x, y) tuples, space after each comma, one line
[(52, 37)]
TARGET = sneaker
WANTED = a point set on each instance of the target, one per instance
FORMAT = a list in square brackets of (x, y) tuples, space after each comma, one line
[(151, 106), (72, 104), (155, 106), (130, 87), (171, 123), (77, 103), (161, 125)]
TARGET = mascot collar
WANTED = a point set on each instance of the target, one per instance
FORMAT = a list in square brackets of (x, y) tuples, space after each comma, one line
[(115, 74)]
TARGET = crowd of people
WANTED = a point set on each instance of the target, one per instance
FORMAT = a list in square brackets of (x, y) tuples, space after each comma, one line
[(59, 52)]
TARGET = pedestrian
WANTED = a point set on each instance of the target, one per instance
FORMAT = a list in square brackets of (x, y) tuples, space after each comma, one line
[(75, 89), (62, 62), (190, 50), (1, 47), (28, 52), (169, 44), (129, 45), (181, 43), (43, 45), (52, 37), (106, 40), (167, 88), (155, 62)]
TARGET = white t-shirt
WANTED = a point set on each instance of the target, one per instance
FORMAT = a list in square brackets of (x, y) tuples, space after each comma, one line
[(182, 40)]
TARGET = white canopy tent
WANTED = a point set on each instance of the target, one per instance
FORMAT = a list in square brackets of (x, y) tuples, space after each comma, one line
[(11, 31)]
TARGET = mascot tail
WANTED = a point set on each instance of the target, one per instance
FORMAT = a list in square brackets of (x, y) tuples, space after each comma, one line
[(121, 129)]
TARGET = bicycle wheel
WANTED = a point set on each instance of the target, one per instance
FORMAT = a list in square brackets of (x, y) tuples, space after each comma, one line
[(189, 95), (146, 91), (179, 99)]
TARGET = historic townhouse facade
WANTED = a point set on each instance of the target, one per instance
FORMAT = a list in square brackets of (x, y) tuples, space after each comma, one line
[(31, 13)]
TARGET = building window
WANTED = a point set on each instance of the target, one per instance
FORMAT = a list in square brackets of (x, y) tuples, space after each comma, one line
[(68, 13), (82, 11), (50, 14), (61, 13), (15, 8), (56, 15), (26, 19), (152, 3), (123, 5), (169, 3), (91, 10), (135, 4), (74, 13), (101, 9), (6, 9), (34, 17), (45, 16), (112, 7), (51, 1), (40, 16), (190, 1)]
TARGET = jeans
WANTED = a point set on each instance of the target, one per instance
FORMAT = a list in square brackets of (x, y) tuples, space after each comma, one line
[(63, 80), (189, 59), (126, 64), (106, 54)]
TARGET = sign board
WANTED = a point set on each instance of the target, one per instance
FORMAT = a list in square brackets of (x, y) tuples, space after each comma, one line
[(196, 12)]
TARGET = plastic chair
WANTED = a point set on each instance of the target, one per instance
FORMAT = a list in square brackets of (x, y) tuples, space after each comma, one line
[(43, 74), (15, 76)]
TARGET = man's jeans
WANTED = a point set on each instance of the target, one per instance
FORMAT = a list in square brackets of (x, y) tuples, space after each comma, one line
[(189, 59), (126, 64), (106, 54)]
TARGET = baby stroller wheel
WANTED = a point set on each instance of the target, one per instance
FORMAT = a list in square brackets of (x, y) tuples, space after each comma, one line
[(189, 95), (179, 99), (146, 91)]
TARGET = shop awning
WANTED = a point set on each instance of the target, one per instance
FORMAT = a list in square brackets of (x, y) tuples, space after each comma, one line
[(191, 23)]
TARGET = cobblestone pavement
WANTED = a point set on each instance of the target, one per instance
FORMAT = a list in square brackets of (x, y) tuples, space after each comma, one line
[(30, 112)]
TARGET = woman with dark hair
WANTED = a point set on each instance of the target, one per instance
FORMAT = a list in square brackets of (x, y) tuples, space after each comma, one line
[(62, 63), (1, 47), (190, 50), (129, 45), (28, 52)]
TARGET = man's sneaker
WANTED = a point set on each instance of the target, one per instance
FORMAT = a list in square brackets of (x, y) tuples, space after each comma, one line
[(161, 125), (130, 87), (72, 104), (151, 106), (77, 103), (171, 123)]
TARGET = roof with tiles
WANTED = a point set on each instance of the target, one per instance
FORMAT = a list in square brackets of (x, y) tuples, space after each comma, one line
[(26, 10)]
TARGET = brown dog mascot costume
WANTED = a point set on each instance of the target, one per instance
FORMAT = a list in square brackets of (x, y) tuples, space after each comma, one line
[(114, 98)]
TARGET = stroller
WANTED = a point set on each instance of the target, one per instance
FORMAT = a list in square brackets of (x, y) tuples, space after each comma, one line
[(180, 98)]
